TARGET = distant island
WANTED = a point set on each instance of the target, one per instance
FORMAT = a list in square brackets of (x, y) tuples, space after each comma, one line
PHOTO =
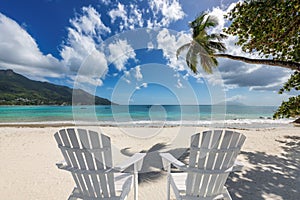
[(230, 103), (16, 89)]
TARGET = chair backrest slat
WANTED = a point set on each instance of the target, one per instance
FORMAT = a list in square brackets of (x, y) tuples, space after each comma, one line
[(81, 161), (66, 142), (99, 160), (192, 162), (86, 151), (59, 138), (226, 137), (85, 143), (208, 152), (210, 180), (108, 162)]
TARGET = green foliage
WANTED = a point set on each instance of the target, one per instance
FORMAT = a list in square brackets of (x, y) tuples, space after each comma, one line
[(292, 83), (203, 45), (269, 27), (16, 89), (291, 108)]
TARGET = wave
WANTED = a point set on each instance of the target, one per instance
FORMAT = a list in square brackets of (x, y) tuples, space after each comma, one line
[(236, 123)]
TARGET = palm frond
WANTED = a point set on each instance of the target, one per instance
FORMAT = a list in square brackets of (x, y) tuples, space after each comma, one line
[(203, 45), (198, 21), (191, 61), (211, 21), (215, 36), (217, 46), (182, 48)]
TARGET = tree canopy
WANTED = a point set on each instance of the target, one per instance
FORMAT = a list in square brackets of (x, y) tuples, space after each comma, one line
[(271, 28)]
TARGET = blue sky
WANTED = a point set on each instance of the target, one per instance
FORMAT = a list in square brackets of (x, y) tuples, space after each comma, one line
[(125, 51)]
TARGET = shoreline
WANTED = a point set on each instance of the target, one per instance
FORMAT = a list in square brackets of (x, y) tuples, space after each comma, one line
[(234, 124)]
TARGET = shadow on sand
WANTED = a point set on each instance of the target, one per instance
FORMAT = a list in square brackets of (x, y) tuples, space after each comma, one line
[(272, 177), (152, 165), (278, 177)]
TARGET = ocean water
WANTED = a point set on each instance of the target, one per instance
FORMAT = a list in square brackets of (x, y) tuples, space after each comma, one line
[(141, 115)]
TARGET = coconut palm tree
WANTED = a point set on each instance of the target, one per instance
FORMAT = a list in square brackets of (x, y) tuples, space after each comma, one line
[(207, 47), (203, 45)]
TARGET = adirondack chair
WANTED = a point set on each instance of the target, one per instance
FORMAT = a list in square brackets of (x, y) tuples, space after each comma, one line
[(88, 157), (212, 158)]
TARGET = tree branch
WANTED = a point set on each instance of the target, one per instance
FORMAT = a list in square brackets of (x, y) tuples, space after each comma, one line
[(285, 64)]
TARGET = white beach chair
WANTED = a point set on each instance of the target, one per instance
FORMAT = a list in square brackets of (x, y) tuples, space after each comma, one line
[(88, 157), (212, 158)]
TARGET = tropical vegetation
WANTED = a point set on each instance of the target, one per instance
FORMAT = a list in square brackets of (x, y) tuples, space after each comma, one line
[(16, 89), (267, 27)]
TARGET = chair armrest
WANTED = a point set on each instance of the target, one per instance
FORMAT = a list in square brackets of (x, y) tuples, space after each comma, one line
[(237, 166), (135, 159), (168, 159), (62, 164)]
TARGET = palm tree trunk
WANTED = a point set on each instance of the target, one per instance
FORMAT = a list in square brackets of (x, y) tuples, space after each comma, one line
[(285, 64)]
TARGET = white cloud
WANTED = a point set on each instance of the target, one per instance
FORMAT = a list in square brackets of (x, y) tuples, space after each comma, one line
[(179, 84), (106, 2), (161, 13), (169, 42), (170, 10), (235, 98), (138, 74), (20, 52), (89, 23), (131, 17), (135, 17), (143, 85), (81, 49), (133, 73), (120, 53), (118, 12)]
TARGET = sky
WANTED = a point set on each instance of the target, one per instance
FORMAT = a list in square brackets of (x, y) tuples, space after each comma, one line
[(126, 51)]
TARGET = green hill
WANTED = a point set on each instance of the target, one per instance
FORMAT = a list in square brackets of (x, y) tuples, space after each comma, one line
[(16, 89)]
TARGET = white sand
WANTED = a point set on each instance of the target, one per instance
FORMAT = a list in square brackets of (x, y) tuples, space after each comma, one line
[(28, 157)]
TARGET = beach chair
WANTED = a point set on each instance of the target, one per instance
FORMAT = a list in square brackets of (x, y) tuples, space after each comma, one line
[(212, 158), (88, 157)]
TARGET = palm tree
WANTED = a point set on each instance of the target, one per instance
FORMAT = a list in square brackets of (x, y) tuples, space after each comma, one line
[(205, 46)]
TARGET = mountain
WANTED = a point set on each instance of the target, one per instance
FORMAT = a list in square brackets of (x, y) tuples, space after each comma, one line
[(16, 89), (231, 103)]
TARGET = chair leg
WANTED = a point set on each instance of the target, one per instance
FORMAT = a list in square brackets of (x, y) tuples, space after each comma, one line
[(168, 182), (74, 195), (226, 194), (135, 182)]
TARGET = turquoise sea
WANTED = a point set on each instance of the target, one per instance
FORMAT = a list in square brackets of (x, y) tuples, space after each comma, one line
[(140, 115)]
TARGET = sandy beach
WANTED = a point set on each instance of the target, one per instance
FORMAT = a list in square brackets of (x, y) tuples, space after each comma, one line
[(28, 155)]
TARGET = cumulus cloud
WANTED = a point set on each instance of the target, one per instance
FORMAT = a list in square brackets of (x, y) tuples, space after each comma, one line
[(169, 42), (118, 12), (134, 75), (120, 53), (165, 12), (131, 17), (81, 51), (84, 37), (20, 52), (160, 13)]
